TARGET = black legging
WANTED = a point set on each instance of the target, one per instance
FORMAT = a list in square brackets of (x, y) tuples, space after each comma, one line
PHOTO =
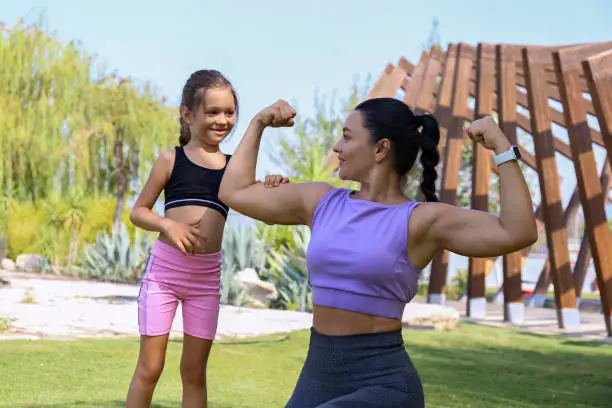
[(366, 370)]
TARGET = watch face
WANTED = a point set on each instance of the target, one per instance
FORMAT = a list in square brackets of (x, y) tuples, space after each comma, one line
[(517, 152)]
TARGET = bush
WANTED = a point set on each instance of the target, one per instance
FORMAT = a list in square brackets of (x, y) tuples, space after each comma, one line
[(45, 228), (241, 249), (115, 258), (289, 273), (458, 286)]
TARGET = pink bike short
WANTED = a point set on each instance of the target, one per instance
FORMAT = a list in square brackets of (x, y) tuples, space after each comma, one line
[(171, 277)]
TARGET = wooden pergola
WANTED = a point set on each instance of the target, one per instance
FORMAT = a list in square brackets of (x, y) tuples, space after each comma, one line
[(507, 80)]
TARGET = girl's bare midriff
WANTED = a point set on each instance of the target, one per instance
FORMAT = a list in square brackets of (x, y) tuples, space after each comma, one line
[(337, 322), (210, 220)]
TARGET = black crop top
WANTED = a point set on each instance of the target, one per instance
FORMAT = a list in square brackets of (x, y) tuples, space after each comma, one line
[(191, 184)]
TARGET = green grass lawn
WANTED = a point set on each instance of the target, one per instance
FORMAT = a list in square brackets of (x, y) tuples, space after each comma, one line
[(471, 367)]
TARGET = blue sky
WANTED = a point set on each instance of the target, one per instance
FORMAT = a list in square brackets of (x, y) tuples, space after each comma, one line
[(274, 49)]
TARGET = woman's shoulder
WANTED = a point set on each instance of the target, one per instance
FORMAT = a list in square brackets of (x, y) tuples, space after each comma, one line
[(426, 213), (319, 189)]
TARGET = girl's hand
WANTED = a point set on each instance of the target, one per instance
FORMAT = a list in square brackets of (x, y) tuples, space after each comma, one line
[(274, 180), (186, 236)]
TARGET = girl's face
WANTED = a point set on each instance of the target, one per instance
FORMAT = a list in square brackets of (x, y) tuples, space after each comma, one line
[(215, 117)]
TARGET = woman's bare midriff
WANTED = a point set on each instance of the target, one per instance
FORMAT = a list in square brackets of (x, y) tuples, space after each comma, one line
[(337, 322), (210, 223)]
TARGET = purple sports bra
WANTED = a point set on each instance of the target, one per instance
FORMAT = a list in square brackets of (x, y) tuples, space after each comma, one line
[(357, 256)]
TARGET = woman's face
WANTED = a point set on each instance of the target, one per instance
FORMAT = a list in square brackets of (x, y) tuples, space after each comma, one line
[(356, 152)]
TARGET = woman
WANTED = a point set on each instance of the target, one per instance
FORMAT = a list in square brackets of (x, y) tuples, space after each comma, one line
[(368, 246)]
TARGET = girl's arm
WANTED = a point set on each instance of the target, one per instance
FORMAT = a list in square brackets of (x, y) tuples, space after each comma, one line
[(141, 215)]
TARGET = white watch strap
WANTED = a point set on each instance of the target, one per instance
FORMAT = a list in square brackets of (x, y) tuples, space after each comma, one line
[(505, 157)]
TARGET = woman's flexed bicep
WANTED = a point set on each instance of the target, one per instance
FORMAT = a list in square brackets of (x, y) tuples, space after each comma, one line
[(286, 204), (477, 233)]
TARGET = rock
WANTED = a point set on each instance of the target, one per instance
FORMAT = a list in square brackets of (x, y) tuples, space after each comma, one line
[(29, 263), (8, 265), (257, 293), (430, 315)]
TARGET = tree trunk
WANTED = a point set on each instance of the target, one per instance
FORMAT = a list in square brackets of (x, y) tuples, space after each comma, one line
[(72, 249), (121, 183), (3, 247)]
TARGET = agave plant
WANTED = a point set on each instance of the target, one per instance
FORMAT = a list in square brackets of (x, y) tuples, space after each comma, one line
[(241, 249), (291, 277), (113, 257)]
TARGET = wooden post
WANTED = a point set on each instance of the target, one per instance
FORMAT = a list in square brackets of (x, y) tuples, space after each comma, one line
[(416, 81), (456, 69), (556, 232), (380, 82), (584, 255), (425, 101), (481, 170), (597, 72), (591, 195), (540, 292), (514, 306)]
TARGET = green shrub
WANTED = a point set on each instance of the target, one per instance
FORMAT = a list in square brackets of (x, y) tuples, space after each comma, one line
[(116, 257), (458, 285), (45, 228), (289, 273), (241, 249)]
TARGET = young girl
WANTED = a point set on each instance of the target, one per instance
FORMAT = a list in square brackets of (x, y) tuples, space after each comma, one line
[(185, 261)]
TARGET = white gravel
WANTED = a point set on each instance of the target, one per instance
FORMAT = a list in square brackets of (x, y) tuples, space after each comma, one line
[(54, 308)]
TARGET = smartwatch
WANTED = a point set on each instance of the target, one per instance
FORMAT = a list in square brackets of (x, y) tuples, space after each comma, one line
[(511, 154)]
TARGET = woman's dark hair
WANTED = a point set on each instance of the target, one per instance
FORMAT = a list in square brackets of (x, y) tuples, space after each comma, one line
[(192, 97), (390, 118)]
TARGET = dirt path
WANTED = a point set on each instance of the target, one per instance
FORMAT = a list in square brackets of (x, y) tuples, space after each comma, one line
[(36, 306), (39, 307)]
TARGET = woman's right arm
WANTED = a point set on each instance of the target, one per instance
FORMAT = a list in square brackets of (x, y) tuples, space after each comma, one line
[(141, 215), (288, 204)]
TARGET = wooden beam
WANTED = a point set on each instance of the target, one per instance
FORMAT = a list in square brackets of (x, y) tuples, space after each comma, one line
[(424, 100), (584, 254), (416, 81), (451, 93), (591, 195), (481, 170), (514, 306), (556, 232), (597, 71)]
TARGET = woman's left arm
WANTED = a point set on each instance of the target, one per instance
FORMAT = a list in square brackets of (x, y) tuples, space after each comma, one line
[(478, 233)]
